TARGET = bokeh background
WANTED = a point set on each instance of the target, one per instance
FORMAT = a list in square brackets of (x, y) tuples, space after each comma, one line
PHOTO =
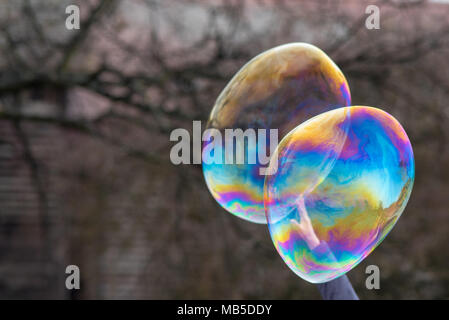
[(85, 118)]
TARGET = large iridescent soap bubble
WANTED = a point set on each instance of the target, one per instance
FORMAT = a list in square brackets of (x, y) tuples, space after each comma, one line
[(278, 89), (343, 179)]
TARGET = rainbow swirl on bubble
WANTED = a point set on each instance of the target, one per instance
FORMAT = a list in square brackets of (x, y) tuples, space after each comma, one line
[(278, 89), (354, 168)]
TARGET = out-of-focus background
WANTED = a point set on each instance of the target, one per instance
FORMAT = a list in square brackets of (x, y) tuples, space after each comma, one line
[(85, 118)]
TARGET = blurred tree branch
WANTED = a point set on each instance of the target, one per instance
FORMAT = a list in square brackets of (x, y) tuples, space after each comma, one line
[(156, 73)]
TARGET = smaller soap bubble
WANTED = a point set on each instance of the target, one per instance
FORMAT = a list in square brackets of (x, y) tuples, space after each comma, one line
[(344, 177), (278, 90)]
